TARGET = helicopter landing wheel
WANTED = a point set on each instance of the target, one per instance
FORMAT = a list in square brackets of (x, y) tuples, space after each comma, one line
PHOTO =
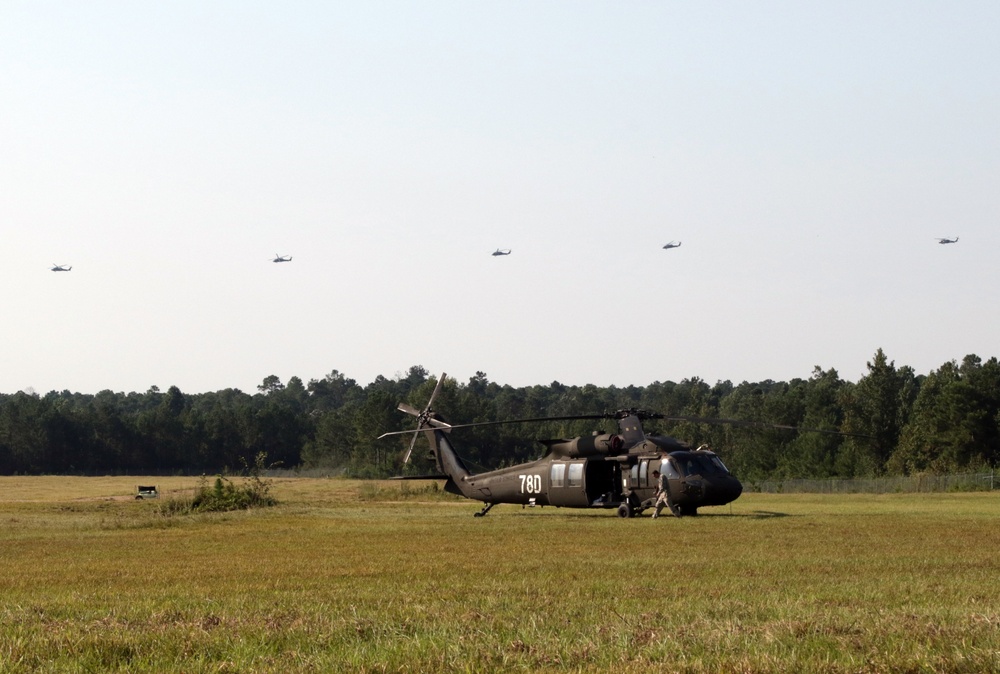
[(624, 510)]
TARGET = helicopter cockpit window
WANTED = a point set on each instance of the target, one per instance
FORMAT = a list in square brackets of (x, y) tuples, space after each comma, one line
[(710, 465), (687, 467), (701, 465), (558, 474), (575, 475), (667, 467), (719, 465)]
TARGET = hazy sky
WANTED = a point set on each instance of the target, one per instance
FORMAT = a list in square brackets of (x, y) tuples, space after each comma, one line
[(807, 154)]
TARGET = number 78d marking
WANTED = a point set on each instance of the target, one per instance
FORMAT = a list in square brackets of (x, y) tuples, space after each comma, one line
[(531, 484)]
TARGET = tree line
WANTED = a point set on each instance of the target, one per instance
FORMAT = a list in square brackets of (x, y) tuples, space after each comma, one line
[(903, 423)]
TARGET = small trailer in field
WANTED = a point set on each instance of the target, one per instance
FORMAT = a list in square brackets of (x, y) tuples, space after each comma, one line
[(143, 492)]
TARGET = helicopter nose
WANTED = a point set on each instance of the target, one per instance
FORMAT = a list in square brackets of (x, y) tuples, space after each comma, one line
[(723, 490), (729, 489)]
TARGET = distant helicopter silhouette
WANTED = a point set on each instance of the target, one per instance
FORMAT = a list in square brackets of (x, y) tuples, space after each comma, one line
[(955, 240), (60, 267), (282, 258), (672, 244), (498, 251)]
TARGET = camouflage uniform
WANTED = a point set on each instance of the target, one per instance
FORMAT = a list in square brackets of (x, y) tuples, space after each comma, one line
[(662, 496)]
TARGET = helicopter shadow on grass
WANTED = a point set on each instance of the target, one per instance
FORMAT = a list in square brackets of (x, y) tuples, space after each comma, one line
[(581, 515), (760, 515)]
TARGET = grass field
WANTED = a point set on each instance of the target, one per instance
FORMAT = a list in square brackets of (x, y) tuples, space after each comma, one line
[(361, 577)]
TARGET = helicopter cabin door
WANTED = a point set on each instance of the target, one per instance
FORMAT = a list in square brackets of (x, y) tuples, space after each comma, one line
[(604, 479), (640, 477), (584, 483), (566, 484)]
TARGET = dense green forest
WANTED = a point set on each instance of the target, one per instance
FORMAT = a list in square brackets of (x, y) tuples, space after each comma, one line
[(945, 421)]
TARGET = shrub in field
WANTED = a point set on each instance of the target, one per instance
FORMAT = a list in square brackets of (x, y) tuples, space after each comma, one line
[(225, 495)]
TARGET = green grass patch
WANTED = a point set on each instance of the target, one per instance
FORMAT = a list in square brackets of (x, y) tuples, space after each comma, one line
[(377, 577)]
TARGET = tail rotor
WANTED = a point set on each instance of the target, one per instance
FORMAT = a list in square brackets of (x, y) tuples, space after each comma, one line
[(424, 419)]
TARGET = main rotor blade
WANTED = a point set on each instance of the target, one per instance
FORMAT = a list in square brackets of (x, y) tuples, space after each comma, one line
[(762, 424), (443, 425), (696, 420), (574, 417), (447, 427)]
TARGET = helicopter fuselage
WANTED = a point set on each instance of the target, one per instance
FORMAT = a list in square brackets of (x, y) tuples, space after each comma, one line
[(695, 479), (598, 471), (603, 470)]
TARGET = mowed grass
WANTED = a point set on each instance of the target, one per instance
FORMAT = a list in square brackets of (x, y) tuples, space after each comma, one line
[(385, 577)]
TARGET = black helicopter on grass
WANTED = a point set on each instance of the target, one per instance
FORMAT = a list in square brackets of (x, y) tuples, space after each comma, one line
[(604, 470)]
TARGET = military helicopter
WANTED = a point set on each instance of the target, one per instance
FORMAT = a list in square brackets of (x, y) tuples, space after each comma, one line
[(500, 251), (282, 258), (955, 240), (61, 267), (672, 244), (605, 470)]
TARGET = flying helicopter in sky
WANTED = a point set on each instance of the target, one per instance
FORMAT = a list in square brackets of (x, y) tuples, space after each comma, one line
[(955, 240), (282, 258), (500, 251), (672, 244), (604, 470), (61, 267)]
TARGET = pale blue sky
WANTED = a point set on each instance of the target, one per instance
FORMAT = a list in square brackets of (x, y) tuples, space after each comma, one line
[(807, 155)]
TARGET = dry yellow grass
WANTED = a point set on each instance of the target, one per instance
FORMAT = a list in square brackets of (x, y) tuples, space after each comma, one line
[(52, 488), (350, 576)]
